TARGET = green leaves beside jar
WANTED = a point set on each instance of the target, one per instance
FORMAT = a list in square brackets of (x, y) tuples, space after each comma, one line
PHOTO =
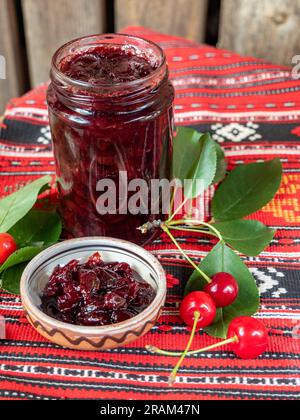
[(32, 230), (244, 191)]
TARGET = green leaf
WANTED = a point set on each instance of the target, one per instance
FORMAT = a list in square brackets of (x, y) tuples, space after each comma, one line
[(221, 165), (14, 207), (223, 259), (194, 158), (37, 228), (249, 237), (185, 149), (246, 190), (20, 256), (10, 279), (204, 169)]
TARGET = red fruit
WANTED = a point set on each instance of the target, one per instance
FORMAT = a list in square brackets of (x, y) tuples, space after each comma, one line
[(7, 247), (224, 289), (247, 337), (252, 337), (198, 302)]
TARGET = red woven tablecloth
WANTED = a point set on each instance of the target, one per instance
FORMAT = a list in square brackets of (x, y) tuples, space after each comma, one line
[(253, 109)]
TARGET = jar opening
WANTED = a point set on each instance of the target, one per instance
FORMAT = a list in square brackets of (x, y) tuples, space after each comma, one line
[(108, 62)]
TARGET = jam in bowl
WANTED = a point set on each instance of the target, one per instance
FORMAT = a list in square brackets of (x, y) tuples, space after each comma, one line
[(69, 306), (95, 293), (111, 111)]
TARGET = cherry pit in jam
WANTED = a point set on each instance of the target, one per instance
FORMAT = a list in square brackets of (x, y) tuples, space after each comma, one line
[(111, 111)]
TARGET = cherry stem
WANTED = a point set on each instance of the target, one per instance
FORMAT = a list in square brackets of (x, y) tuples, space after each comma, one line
[(167, 231), (156, 350), (186, 229), (178, 210), (173, 376), (172, 202), (196, 223)]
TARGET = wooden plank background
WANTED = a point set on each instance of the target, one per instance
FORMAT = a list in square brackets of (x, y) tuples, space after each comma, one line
[(11, 50), (51, 23), (267, 29), (185, 18)]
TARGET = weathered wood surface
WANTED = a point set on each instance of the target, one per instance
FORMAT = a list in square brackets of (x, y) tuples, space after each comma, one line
[(267, 29), (185, 18), (11, 62), (51, 23)]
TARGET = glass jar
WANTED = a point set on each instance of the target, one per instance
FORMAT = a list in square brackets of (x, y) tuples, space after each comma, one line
[(111, 111)]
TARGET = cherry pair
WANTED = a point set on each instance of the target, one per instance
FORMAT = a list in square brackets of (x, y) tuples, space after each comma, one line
[(199, 309), (247, 338), (220, 292)]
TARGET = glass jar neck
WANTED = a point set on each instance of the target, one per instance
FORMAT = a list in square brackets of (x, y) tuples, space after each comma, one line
[(98, 94)]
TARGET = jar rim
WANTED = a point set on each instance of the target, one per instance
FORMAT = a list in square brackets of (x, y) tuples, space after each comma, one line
[(59, 75)]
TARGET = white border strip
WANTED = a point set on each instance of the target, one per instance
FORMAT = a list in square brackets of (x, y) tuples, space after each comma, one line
[(250, 152), (25, 111), (33, 155), (199, 254), (192, 114), (272, 115)]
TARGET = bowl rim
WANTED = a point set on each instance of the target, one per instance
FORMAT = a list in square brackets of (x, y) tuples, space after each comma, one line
[(50, 252)]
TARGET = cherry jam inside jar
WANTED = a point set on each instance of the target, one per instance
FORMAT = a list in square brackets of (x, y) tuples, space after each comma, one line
[(111, 111)]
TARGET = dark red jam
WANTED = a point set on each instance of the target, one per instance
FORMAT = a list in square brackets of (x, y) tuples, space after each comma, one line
[(96, 293), (108, 65), (111, 111)]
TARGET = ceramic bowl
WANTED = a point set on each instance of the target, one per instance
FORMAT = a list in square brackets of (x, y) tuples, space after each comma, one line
[(36, 276)]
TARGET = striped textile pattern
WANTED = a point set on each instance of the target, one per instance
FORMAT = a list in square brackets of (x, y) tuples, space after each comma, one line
[(253, 109)]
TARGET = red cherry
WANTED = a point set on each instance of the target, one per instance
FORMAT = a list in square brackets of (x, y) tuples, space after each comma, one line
[(198, 302), (252, 337), (247, 337), (223, 289), (7, 247)]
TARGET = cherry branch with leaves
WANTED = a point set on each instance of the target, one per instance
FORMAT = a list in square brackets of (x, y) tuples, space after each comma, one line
[(239, 194)]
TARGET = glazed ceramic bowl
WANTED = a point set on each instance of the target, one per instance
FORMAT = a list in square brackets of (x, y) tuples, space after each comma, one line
[(36, 276)]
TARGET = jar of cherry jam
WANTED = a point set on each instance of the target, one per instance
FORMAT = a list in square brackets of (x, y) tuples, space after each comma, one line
[(111, 112)]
